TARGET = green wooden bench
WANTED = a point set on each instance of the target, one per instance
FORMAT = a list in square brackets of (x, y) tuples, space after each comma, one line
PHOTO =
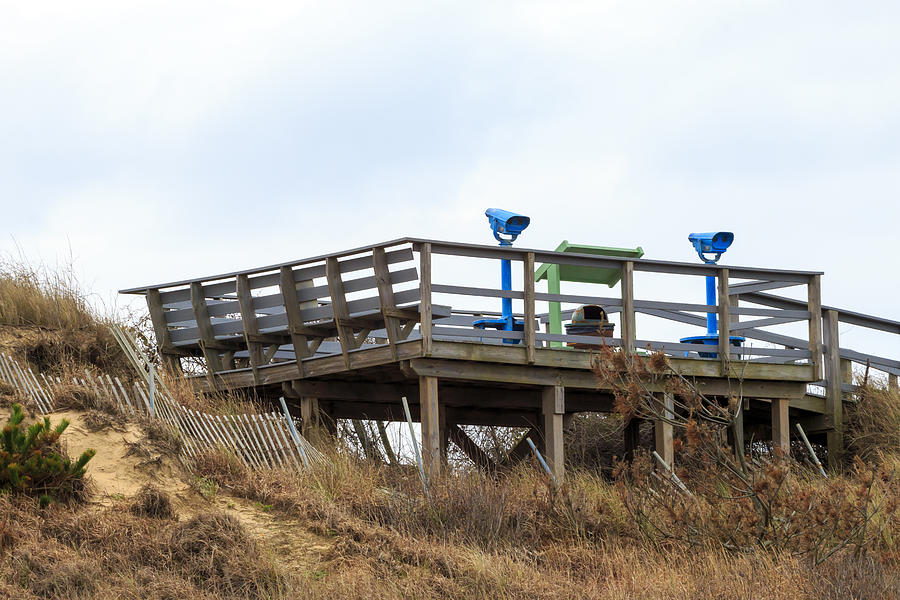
[(554, 274)]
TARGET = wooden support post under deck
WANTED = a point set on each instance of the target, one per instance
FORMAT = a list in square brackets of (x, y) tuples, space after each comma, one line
[(893, 384), (529, 307), (425, 297), (445, 432), (627, 315), (663, 432), (553, 409), (309, 414), (834, 404), (781, 429), (430, 418), (724, 321), (814, 304), (632, 434), (738, 432)]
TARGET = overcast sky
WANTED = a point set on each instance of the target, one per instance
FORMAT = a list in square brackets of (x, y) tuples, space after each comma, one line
[(163, 140)]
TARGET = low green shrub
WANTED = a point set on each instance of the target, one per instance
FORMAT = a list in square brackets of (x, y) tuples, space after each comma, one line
[(32, 462)]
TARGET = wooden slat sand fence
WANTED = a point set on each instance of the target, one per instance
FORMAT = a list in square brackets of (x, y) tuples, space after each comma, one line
[(263, 440)]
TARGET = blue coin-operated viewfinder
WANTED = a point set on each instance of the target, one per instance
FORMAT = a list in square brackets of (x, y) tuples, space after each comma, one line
[(714, 242), (711, 243), (506, 226), (508, 223)]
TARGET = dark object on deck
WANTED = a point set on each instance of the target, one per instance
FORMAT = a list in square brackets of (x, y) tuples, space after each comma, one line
[(592, 320)]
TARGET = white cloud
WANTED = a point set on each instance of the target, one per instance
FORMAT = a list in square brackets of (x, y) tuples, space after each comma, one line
[(167, 139)]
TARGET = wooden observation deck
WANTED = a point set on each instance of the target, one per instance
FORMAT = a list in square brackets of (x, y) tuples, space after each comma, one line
[(348, 334)]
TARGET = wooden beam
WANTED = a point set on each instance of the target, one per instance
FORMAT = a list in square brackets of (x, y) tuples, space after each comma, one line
[(724, 321), (814, 304), (781, 428), (204, 327), (470, 448), (529, 307), (571, 378), (628, 328), (386, 297), (553, 407), (663, 432), (521, 448), (425, 297), (431, 434), (339, 306)]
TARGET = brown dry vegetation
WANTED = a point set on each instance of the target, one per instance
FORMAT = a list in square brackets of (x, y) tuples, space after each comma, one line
[(45, 318), (354, 529)]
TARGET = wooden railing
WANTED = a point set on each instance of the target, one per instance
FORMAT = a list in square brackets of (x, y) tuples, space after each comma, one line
[(627, 306), (384, 295)]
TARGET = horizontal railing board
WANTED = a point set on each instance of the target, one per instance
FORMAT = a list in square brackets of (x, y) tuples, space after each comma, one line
[(614, 262), (872, 359), (706, 308), (758, 286), (443, 247), (439, 288), (578, 339), (366, 262), (844, 316), (741, 326), (578, 299), (487, 333), (768, 312)]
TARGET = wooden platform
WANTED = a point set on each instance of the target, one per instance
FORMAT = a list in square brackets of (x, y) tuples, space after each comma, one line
[(346, 335)]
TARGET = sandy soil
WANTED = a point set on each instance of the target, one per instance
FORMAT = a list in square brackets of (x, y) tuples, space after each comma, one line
[(125, 461)]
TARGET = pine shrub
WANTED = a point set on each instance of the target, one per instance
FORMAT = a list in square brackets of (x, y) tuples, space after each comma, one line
[(32, 461)]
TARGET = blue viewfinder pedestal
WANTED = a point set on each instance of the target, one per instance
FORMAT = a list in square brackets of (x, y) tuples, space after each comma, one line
[(506, 227), (713, 243)]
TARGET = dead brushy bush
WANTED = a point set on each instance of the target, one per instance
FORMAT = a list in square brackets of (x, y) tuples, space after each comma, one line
[(113, 553), (520, 509), (215, 549), (74, 396), (161, 436), (152, 502), (872, 427), (776, 506)]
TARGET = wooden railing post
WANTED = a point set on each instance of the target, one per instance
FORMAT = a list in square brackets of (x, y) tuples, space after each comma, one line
[(294, 317), (204, 326), (628, 333), (161, 329), (529, 306), (425, 296), (386, 298), (833, 397), (815, 323), (724, 321), (339, 306), (248, 320)]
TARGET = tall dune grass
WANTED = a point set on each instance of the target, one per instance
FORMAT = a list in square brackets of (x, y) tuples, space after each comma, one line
[(43, 297)]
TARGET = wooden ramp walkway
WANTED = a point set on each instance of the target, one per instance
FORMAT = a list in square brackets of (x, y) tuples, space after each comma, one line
[(348, 334)]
